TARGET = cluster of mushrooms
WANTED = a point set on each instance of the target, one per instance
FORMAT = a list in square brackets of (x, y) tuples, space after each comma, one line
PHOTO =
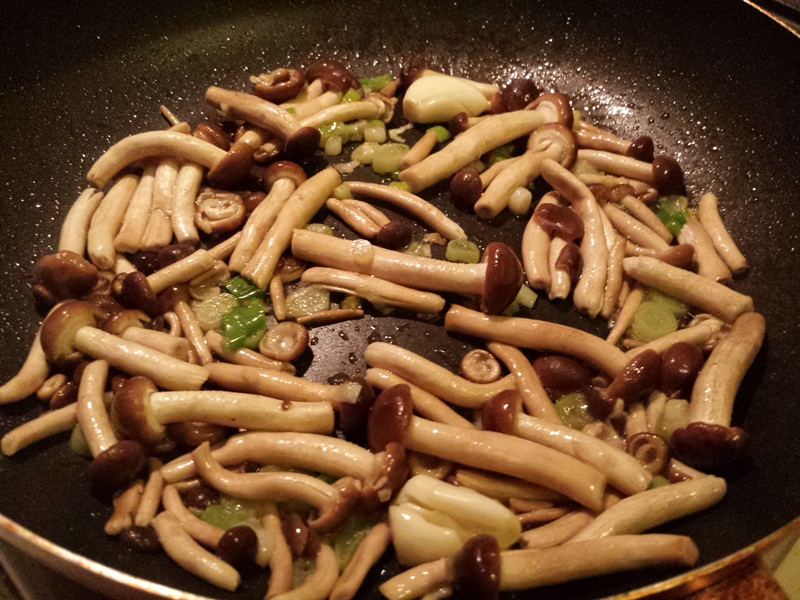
[(472, 477)]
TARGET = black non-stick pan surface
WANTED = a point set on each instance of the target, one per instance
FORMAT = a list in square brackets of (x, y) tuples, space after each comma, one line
[(714, 83)]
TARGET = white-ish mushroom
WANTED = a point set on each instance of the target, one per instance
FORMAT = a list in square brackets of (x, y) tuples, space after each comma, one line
[(709, 263), (76, 224), (589, 291), (151, 497), (718, 382), (190, 555), (181, 271), (174, 346), (506, 488), (244, 356), (192, 331), (353, 218), (369, 551), (560, 279), (595, 138), (158, 232), (50, 385), (625, 314), (47, 424), (635, 230), (645, 214), (92, 413), (698, 334), (201, 531), (301, 206), (639, 187), (377, 291), (535, 249), (125, 506), (413, 204), (373, 106), (695, 290), (280, 562), (708, 214), (557, 532), (137, 215), (313, 105), (31, 375), (618, 164), (318, 585), (537, 335), (615, 276), (655, 507), (433, 378)]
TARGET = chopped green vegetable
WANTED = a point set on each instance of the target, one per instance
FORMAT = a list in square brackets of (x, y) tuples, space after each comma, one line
[(574, 410), (376, 83), (319, 228), (365, 152), (462, 251), (526, 297), (442, 135), (348, 536), (672, 210), (678, 308), (230, 512), (78, 444), (291, 110), (418, 248), (675, 415), (342, 192), (242, 289), (305, 301), (209, 312), (351, 95), (387, 157), (400, 185), (652, 321), (244, 325), (657, 482), (335, 129), (350, 302), (500, 153)]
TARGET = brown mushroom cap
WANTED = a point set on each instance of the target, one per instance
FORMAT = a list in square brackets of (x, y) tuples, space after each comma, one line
[(130, 411), (465, 189), (283, 169), (500, 413), (117, 467), (213, 134), (66, 274), (233, 167), (59, 329), (561, 136), (709, 447), (558, 104), (503, 278), (281, 85), (390, 417), (121, 320), (302, 143), (134, 291)]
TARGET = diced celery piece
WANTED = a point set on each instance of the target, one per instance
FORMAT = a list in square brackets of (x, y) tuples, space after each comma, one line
[(78, 444), (672, 210), (305, 301), (678, 308), (243, 289), (365, 152), (462, 251), (582, 167), (500, 153), (345, 539), (442, 135), (526, 297), (387, 157), (376, 83), (652, 321), (351, 95), (342, 192), (400, 185), (337, 128), (675, 416), (230, 512), (209, 312), (574, 410), (418, 248), (657, 482), (350, 302)]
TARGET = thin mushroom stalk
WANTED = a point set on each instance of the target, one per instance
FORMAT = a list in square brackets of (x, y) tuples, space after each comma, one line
[(710, 219), (30, 377), (107, 220), (76, 224)]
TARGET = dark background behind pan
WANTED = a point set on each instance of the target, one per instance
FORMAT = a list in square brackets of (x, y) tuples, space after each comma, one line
[(715, 85)]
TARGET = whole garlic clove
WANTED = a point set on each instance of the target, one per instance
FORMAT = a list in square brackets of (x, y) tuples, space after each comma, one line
[(438, 98)]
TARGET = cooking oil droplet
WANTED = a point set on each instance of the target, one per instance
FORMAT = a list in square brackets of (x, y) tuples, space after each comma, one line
[(352, 358), (313, 341), (344, 336)]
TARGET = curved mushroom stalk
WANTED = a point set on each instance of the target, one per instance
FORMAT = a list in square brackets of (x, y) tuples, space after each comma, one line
[(300, 141), (498, 278), (490, 133), (537, 335), (29, 378), (553, 141), (140, 411), (69, 331), (314, 452), (391, 420), (433, 378), (107, 220), (332, 502), (76, 224), (708, 213), (43, 426), (152, 144), (373, 106)]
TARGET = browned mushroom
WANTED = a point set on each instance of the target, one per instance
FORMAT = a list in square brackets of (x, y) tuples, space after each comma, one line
[(280, 85)]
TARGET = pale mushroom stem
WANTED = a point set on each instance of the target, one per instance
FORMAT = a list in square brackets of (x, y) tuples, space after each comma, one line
[(280, 563), (107, 220), (635, 230), (318, 585), (92, 413), (158, 232), (365, 557), (138, 213), (709, 263), (201, 531), (181, 271), (535, 249), (353, 218), (556, 533), (125, 506), (625, 314), (151, 498), (617, 164), (193, 332), (560, 280), (29, 378), (646, 215), (76, 224), (50, 423), (187, 185), (244, 356), (708, 213)]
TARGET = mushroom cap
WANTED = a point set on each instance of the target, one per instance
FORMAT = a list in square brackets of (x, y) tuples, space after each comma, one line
[(465, 189), (131, 414), (668, 176), (500, 412), (503, 277), (118, 322), (233, 167), (709, 447), (302, 143), (557, 133), (557, 105), (281, 169), (213, 134), (59, 329), (281, 85), (134, 291), (66, 274), (117, 467), (390, 417)]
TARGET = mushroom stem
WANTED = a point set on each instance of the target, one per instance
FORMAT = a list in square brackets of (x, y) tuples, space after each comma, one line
[(43, 426), (280, 563), (125, 506), (171, 345), (595, 138), (708, 213), (138, 213), (181, 271), (31, 375), (625, 314), (151, 498), (301, 206), (535, 249), (688, 287), (378, 292), (149, 144), (560, 279), (556, 533), (420, 150), (107, 220), (698, 335), (413, 204), (158, 232), (537, 335), (353, 218), (433, 378), (635, 230), (505, 488), (92, 414), (187, 185), (202, 532), (369, 551), (509, 455), (476, 141), (718, 382), (272, 486), (281, 385), (313, 105), (709, 263), (349, 111), (76, 224), (645, 214), (244, 356), (655, 507), (371, 212), (193, 332), (318, 585), (618, 164), (534, 397), (310, 451), (190, 555), (590, 289)]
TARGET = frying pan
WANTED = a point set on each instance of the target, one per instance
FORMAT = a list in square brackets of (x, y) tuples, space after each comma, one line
[(714, 84)]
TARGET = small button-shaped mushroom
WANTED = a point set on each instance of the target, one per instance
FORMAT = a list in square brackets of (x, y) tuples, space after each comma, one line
[(65, 274), (477, 569), (561, 374), (680, 364), (709, 447), (480, 366), (639, 377), (218, 212), (280, 85), (118, 466), (238, 547)]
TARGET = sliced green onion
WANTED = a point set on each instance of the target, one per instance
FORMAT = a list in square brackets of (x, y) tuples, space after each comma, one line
[(462, 251), (503, 152), (657, 482), (418, 248), (672, 210), (387, 157), (342, 192), (333, 146), (320, 227), (351, 96), (526, 296), (242, 289), (675, 416), (400, 185), (78, 443), (350, 302), (291, 110), (345, 539), (337, 128), (574, 410), (442, 135), (306, 301), (678, 308), (230, 512), (209, 312), (376, 83), (364, 153), (652, 321), (244, 325), (375, 134)]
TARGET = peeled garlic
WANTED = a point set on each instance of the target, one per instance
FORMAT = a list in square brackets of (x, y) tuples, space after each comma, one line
[(431, 519), (438, 98)]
